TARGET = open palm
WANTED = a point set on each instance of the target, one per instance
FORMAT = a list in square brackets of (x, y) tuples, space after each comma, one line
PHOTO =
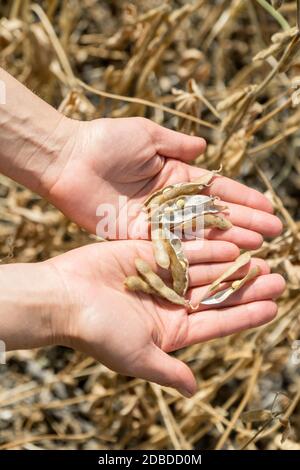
[(132, 333), (132, 157)]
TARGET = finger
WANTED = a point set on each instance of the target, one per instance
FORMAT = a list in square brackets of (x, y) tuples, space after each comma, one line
[(207, 273), (211, 324), (157, 366), (174, 144), (264, 287), (242, 237), (204, 251), (253, 219), (232, 191)]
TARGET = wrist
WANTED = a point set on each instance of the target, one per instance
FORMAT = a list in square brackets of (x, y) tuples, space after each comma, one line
[(34, 137), (63, 310), (34, 306), (52, 154)]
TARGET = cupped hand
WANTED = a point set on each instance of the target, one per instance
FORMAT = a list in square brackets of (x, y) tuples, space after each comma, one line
[(133, 333), (112, 165)]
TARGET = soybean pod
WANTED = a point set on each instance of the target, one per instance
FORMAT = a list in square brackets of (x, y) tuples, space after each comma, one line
[(179, 189), (160, 247), (178, 265), (157, 284), (216, 221), (241, 261), (224, 294), (137, 284)]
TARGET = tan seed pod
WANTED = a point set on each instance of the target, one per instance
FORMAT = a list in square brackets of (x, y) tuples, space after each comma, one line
[(180, 203), (235, 150), (241, 261), (256, 416), (180, 189), (206, 178), (234, 98), (137, 284), (238, 109), (179, 274), (157, 284), (223, 295), (216, 221), (173, 192), (160, 248), (197, 222), (170, 208), (191, 225), (254, 272), (179, 266), (265, 53), (284, 36)]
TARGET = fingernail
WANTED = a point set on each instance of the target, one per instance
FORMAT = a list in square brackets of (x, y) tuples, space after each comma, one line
[(185, 392)]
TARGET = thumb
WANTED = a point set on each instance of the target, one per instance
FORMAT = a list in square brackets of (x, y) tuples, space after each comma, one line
[(168, 371), (174, 144)]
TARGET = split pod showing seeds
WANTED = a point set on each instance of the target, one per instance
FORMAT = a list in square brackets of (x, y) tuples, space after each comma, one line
[(223, 295), (181, 204), (241, 261), (171, 210), (178, 265), (205, 220), (193, 206)]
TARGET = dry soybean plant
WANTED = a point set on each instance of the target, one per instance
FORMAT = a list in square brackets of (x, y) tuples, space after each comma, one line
[(228, 70)]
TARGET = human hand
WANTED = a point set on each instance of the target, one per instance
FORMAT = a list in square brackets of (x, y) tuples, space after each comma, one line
[(133, 157), (132, 333), (80, 165)]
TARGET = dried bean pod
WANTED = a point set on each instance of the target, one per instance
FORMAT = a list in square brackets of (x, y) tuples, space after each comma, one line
[(181, 202), (223, 295), (284, 36), (170, 208), (157, 284), (179, 265), (211, 220), (241, 261), (193, 224), (189, 219), (232, 100), (179, 189), (160, 248), (172, 193), (137, 284), (254, 272), (265, 53)]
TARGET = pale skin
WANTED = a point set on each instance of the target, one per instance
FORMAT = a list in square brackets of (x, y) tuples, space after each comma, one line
[(81, 301)]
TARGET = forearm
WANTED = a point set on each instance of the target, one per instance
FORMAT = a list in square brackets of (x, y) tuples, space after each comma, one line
[(32, 137), (34, 306)]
